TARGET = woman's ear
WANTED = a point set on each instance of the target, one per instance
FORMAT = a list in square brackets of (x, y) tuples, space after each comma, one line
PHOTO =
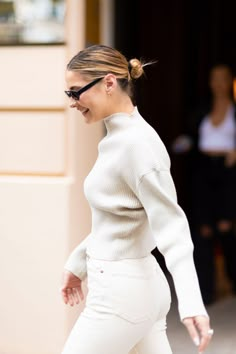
[(110, 83)]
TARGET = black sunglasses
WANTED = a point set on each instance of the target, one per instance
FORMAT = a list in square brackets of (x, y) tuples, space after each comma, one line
[(75, 94)]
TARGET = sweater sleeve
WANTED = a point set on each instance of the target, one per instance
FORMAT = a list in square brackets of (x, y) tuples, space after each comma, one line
[(76, 263), (170, 228)]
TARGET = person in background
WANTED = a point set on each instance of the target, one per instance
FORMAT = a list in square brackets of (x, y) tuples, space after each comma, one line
[(134, 208), (212, 141)]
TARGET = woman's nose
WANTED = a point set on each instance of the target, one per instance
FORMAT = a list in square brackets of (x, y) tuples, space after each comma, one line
[(72, 103)]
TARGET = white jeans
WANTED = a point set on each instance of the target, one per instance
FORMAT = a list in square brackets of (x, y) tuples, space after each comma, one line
[(125, 311)]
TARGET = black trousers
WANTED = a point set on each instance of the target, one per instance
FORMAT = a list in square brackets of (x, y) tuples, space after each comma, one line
[(213, 200), (204, 256), (213, 190)]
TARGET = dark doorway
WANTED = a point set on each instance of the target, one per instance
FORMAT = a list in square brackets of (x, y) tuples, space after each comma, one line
[(186, 38)]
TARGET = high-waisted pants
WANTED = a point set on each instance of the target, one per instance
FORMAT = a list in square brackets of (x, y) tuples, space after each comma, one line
[(125, 311)]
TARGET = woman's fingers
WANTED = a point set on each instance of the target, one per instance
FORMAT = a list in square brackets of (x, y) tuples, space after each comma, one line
[(72, 296), (192, 330), (199, 330), (76, 295), (81, 294), (203, 325), (71, 290), (205, 339), (64, 296)]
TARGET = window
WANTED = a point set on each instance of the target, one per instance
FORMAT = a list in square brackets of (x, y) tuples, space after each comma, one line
[(32, 21)]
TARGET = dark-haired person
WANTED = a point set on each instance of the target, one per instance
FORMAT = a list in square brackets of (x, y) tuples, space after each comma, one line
[(134, 208), (212, 129)]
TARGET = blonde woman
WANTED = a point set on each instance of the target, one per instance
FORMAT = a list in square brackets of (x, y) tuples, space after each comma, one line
[(134, 209)]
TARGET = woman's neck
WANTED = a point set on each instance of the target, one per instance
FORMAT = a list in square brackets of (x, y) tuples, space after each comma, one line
[(222, 101), (120, 103), (220, 106)]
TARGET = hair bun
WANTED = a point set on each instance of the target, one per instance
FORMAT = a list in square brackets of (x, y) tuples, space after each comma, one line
[(135, 68)]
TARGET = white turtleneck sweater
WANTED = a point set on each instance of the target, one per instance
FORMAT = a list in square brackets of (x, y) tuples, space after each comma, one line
[(134, 208)]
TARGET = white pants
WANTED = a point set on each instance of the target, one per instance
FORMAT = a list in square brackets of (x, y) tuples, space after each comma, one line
[(125, 310)]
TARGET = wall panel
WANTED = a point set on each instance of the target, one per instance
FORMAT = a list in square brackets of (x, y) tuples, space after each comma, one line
[(32, 76), (32, 143)]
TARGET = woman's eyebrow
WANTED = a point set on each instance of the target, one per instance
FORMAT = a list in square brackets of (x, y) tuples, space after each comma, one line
[(75, 88)]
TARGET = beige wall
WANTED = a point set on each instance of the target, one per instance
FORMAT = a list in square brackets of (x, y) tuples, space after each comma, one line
[(34, 241), (33, 142), (46, 150), (32, 77)]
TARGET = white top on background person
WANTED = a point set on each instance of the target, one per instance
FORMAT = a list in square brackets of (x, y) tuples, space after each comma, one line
[(130, 189)]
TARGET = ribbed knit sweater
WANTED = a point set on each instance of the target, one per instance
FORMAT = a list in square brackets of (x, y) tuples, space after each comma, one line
[(134, 208)]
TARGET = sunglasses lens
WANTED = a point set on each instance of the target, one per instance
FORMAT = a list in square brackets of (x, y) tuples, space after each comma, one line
[(72, 94), (68, 93), (75, 96)]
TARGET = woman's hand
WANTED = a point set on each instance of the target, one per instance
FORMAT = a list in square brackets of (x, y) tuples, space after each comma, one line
[(71, 289), (182, 144), (199, 330)]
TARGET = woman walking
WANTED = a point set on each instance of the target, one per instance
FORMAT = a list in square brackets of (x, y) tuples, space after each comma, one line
[(134, 209)]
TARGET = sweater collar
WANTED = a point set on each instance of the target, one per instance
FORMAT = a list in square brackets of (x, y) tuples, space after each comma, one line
[(118, 120)]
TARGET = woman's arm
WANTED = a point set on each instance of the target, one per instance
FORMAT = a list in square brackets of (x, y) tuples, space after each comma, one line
[(74, 273), (170, 228), (76, 263)]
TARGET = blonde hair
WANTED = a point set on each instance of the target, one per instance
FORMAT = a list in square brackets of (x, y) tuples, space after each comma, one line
[(99, 60)]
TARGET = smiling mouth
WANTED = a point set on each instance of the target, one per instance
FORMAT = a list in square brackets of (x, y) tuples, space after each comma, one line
[(84, 111)]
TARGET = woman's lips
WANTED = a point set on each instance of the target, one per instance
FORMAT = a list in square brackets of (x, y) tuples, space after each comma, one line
[(84, 111)]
